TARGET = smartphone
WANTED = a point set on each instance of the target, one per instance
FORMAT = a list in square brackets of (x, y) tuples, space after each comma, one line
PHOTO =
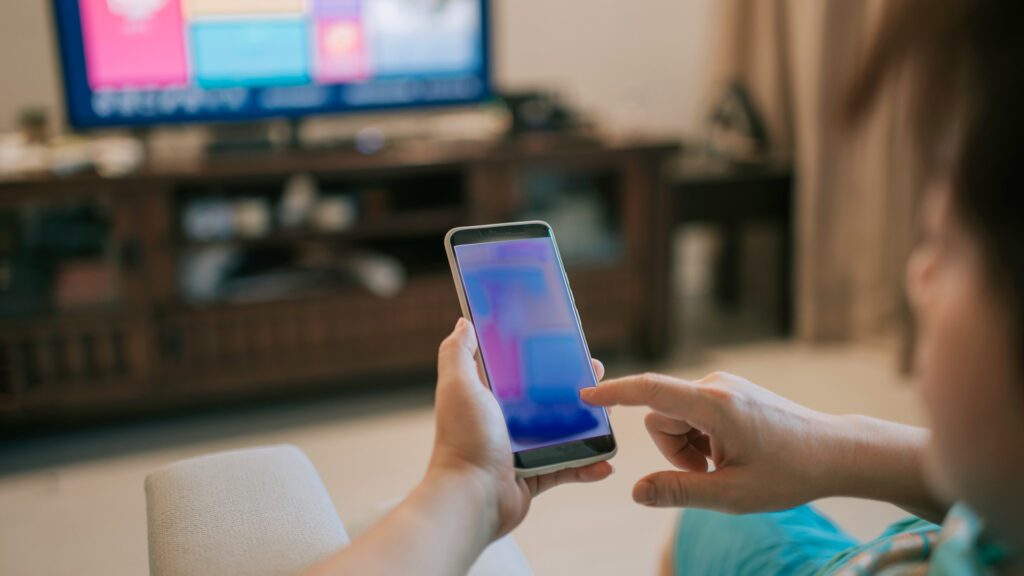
[(513, 288)]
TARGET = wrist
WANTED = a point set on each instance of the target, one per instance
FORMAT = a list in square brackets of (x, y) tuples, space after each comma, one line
[(875, 459), (831, 449), (843, 453), (477, 491)]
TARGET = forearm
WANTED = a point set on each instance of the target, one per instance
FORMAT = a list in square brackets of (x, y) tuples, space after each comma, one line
[(880, 460), (440, 528)]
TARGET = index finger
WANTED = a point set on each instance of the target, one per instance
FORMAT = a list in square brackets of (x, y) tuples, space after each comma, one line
[(670, 396)]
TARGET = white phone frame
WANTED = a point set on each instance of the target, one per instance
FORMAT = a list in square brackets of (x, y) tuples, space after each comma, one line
[(464, 304)]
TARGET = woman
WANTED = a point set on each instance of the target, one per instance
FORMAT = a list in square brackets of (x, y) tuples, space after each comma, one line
[(739, 449)]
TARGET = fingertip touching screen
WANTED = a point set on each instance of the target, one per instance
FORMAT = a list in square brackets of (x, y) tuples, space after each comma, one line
[(530, 341)]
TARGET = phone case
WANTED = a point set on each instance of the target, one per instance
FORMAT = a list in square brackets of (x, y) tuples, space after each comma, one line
[(464, 304)]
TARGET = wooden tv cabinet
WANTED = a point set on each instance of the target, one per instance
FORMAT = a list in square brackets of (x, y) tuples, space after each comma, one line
[(147, 347)]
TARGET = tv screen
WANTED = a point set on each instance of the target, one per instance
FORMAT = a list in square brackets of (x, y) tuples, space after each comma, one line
[(139, 62)]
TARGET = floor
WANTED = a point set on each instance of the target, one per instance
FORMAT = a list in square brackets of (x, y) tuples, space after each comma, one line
[(74, 504)]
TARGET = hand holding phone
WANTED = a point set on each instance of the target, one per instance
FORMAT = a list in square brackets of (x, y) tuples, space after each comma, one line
[(512, 285), (471, 437)]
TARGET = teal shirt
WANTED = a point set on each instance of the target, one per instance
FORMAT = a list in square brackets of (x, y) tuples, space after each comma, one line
[(803, 542), (915, 546)]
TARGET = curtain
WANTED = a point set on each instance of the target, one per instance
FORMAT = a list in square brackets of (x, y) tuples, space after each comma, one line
[(855, 190)]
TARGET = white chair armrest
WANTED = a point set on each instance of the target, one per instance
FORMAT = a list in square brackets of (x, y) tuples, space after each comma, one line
[(257, 512)]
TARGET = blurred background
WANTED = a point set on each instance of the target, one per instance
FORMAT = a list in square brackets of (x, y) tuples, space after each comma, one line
[(221, 226)]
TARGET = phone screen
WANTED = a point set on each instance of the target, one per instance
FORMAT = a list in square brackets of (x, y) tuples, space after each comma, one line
[(530, 341)]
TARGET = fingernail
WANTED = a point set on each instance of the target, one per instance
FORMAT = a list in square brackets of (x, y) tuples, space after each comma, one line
[(645, 493), (586, 393), (460, 322)]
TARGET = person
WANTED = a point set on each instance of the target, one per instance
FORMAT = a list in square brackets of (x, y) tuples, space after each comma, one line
[(745, 461)]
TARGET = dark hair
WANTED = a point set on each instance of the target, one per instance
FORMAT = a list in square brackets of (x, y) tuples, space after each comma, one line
[(964, 60)]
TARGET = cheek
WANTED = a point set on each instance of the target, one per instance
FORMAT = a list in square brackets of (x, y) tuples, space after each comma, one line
[(950, 367), (963, 362)]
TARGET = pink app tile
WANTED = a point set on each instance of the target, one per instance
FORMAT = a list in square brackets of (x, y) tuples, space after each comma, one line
[(340, 50), (133, 43)]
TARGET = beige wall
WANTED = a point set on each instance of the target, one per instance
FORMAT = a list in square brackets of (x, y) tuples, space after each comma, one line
[(640, 64), (27, 59), (634, 63)]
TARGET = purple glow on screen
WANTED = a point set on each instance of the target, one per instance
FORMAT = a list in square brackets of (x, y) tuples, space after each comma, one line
[(530, 341)]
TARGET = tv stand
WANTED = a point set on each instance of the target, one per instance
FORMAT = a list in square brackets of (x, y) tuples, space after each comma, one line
[(294, 133), (121, 332), (235, 137), (258, 137)]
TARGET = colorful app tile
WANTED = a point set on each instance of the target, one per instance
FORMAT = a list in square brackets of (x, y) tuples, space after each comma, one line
[(133, 43), (423, 38), (548, 366), (200, 8), (340, 50), (251, 52), (337, 7)]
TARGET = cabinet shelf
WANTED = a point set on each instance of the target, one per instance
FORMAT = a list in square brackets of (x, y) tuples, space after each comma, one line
[(397, 225)]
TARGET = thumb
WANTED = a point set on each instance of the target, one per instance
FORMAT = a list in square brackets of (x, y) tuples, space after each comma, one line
[(455, 358), (680, 490)]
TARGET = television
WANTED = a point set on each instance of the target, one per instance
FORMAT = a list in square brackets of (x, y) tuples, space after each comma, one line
[(147, 62)]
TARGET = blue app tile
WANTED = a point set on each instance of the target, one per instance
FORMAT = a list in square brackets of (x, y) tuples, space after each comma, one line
[(551, 366), (476, 293), (250, 52)]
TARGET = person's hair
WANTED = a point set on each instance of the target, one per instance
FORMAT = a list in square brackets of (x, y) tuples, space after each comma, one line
[(964, 61)]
